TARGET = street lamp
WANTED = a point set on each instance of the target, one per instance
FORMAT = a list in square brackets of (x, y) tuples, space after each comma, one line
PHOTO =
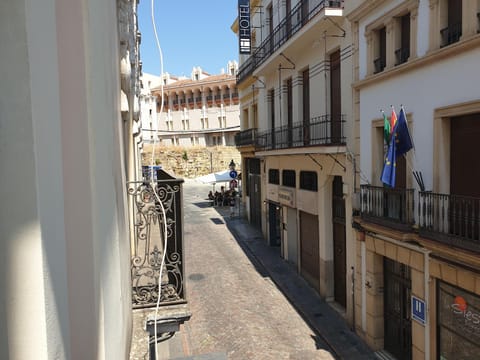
[(232, 165)]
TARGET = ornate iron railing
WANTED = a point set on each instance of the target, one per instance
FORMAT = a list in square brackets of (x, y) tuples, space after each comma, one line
[(451, 219), (321, 130), (402, 55), (389, 207), (246, 137), (298, 17), (451, 34), (148, 242)]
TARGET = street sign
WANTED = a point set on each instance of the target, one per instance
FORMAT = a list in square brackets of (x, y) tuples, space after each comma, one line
[(233, 174), (418, 310)]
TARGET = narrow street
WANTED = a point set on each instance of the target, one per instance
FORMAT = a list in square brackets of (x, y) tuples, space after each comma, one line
[(237, 311)]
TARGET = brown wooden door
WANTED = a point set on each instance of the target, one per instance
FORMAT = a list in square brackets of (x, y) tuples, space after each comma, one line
[(309, 249), (306, 107), (339, 243), (335, 98), (464, 207)]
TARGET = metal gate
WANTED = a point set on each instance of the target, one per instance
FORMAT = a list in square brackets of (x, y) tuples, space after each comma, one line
[(154, 210), (397, 309)]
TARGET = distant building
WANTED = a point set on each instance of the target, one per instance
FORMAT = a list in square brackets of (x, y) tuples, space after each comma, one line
[(148, 107), (201, 110)]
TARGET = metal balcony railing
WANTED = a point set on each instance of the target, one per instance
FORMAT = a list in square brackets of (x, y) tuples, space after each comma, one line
[(393, 208), (451, 219), (246, 138), (298, 17), (402, 55), (322, 130), (148, 243), (379, 64), (451, 34)]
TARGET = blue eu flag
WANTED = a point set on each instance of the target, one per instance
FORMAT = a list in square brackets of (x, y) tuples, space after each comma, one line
[(402, 135), (400, 144), (388, 173)]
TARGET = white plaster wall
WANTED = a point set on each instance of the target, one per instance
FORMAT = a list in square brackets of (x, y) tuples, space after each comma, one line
[(451, 81), (64, 248)]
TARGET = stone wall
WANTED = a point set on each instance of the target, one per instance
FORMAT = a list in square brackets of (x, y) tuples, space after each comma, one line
[(192, 162)]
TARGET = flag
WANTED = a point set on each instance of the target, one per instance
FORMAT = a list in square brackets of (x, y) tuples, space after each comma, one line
[(389, 166), (386, 128), (403, 141), (393, 121)]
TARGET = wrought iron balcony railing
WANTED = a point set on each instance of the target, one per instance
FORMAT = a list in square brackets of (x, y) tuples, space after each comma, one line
[(322, 130), (148, 243), (393, 208), (451, 219), (451, 34), (402, 55), (246, 138), (297, 18), (379, 64)]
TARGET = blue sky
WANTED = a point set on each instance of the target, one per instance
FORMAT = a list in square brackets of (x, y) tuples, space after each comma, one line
[(191, 33)]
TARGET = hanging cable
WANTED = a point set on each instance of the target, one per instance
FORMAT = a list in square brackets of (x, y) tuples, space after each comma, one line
[(154, 189)]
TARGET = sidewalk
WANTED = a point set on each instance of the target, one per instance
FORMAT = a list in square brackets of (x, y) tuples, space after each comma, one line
[(326, 322)]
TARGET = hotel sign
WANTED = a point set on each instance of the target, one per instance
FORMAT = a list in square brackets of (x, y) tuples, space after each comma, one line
[(244, 26)]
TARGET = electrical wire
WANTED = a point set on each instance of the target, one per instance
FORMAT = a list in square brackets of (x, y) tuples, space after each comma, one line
[(165, 237)]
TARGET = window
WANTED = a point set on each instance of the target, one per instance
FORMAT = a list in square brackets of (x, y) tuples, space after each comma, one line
[(288, 178), (453, 30), (380, 60), (306, 106), (308, 180), (403, 52), (271, 98), (392, 39), (273, 176), (458, 318), (289, 111)]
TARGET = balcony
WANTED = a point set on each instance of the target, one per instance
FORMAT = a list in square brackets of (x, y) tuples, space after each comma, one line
[(158, 219), (451, 34), (293, 22), (402, 55), (246, 138), (393, 208), (450, 219), (322, 130), (379, 64)]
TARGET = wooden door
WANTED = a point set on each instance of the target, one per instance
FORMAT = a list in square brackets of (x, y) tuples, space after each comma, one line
[(339, 243)]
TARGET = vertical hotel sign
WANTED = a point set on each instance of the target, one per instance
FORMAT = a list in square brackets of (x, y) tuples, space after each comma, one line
[(244, 26)]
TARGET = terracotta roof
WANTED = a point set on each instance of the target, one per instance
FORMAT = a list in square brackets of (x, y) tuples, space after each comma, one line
[(209, 80)]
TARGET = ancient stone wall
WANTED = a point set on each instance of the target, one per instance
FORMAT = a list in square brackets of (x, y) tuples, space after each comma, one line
[(192, 162)]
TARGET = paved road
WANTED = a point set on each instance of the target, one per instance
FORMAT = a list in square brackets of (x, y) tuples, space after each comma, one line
[(237, 310)]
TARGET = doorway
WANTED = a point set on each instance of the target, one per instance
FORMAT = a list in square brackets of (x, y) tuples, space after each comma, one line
[(397, 309)]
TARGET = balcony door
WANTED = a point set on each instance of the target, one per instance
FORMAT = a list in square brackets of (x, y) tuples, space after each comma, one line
[(335, 98), (464, 210)]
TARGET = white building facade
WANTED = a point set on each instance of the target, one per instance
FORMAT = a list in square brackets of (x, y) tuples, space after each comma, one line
[(417, 269), (64, 248), (296, 124), (202, 110)]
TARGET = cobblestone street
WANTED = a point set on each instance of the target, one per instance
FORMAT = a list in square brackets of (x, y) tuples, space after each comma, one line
[(236, 308)]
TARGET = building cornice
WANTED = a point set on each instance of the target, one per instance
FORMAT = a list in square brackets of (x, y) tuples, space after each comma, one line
[(414, 64), (364, 9)]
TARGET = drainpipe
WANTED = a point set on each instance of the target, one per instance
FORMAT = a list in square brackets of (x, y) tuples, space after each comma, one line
[(426, 273)]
